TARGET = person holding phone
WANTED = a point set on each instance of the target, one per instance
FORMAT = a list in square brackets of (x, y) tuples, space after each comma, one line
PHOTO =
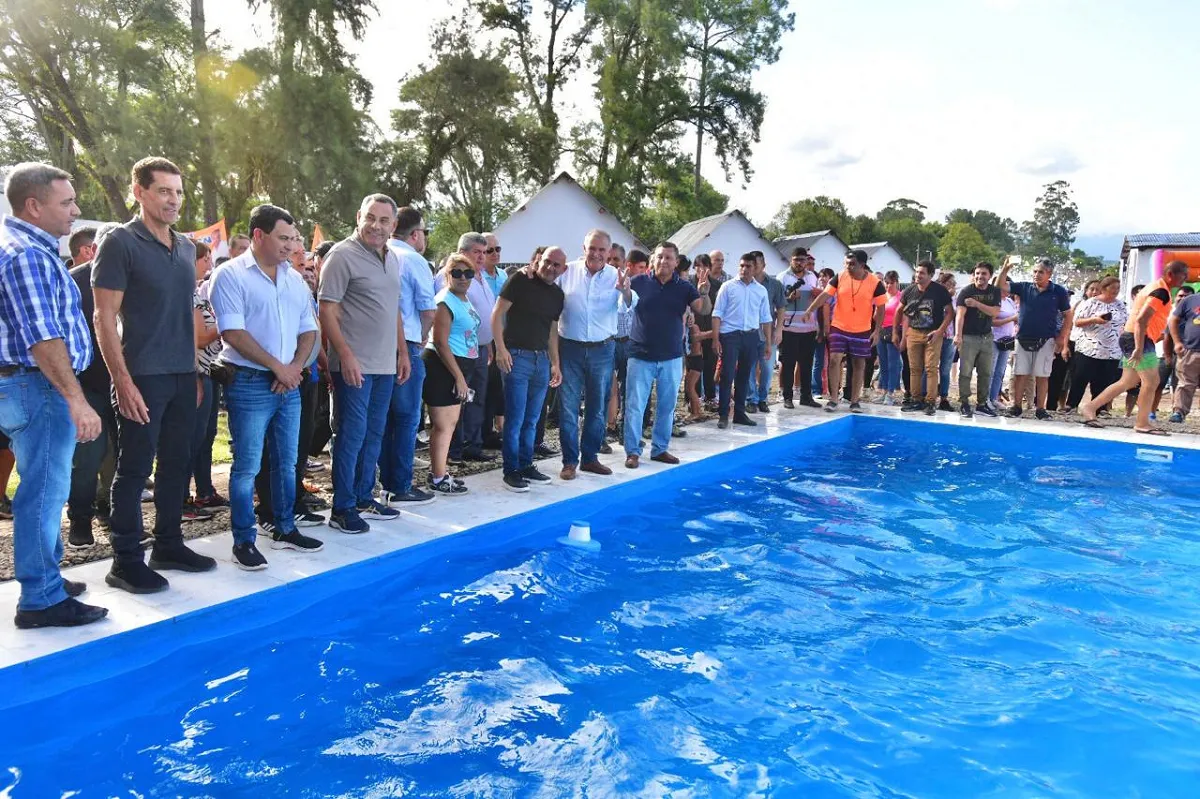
[(449, 357), (1096, 364)]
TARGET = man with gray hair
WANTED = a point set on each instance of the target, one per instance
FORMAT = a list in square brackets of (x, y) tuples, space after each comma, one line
[(360, 316), (1043, 330), (44, 343)]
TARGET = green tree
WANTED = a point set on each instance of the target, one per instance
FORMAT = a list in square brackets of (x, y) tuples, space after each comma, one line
[(910, 238), (810, 215), (902, 208), (1055, 221), (863, 229), (676, 203), (1001, 234), (962, 246)]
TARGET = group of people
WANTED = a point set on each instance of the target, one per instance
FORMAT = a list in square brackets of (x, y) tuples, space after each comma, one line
[(119, 365)]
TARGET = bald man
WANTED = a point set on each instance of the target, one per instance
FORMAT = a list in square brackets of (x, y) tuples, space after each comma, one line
[(718, 266)]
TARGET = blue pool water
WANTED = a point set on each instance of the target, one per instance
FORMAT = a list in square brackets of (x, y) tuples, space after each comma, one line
[(869, 609)]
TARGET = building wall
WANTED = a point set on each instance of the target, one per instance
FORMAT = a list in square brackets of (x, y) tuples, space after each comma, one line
[(827, 251), (887, 259), (735, 236), (561, 215)]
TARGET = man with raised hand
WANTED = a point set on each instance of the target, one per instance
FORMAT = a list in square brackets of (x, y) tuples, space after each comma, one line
[(1039, 335), (591, 290), (656, 350), (145, 274), (741, 311), (359, 291), (44, 343)]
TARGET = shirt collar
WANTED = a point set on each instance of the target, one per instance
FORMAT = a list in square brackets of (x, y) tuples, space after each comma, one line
[(33, 231), (403, 246), (138, 227)]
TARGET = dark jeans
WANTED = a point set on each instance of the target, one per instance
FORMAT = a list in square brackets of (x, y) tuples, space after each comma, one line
[(739, 353), (524, 396), (1059, 373), (1094, 374), (494, 406), (549, 405), (262, 481), (86, 463), (322, 426), (708, 377), (205, 433), (587, 370), (400, 436), (796, 349), (260, 419), (468, 434), (361, 416), (171, 401)]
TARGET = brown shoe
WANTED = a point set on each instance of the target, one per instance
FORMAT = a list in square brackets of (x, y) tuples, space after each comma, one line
[(631, 461), (665, 457), (596, 467), (567, 473)]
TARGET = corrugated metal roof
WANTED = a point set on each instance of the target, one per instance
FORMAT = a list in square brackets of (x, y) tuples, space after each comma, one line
[(695, 232), (871, 248), (802, 239), (1142, 241)]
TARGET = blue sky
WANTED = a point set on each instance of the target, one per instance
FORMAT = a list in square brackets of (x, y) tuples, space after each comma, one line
[(973, 103)]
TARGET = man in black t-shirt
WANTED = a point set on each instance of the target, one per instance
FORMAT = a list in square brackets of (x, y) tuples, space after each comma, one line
[(924, 314), (527, 352), (978, 304)]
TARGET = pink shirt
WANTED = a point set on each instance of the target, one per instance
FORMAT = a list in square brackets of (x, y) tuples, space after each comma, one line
[(889, 310)]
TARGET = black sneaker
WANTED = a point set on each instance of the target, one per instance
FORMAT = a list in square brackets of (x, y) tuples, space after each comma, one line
[(912, 407), (192, 513), (542, 451), (297, 541), (136, 578), (179, 558), (248, 558), (751, 407), (1043, 414), (478, 457), (535, 477), (79, 536), (722, 422), (678, 432), (307, 519), (931, 409), (349, 522), (313, 502), (965, 410), (787, 403), (429, 481), (448, 487), (411, 498), (373, 509), (515, 482), (73, 587), (745, 421), (831, 406), (945, 405), (68, 613), (1015, 412), (985, 410), (104, 515), (855, 408), (810, 403), (267, 528), (606, 448), (762, 408)]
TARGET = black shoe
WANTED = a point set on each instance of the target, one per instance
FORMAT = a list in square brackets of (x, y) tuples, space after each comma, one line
[(678, 432), (751, 407), (855, 408), (931, 409), (746, 421), (831, 406), (606, 448), (297, 541), (787, 403), (180, 558), (965, 410), (79, 536), (104, 515), (248, 558), (912, 407), (723, 423), (73, 587), (985, 410), (410, 499), (448, 487), (762, 408), (68, 613), (542, 451), (945, 405), (306, 519), (809, 402), (1015, 412), (493, 441), (534, 477), (478, 457), (457, 461), (515, 482), (1043, 414), (136, 578), (313, 503), (267, 528)]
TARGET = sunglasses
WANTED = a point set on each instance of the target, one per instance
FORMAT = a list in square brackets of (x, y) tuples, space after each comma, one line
[(459, 274), (491, 250)]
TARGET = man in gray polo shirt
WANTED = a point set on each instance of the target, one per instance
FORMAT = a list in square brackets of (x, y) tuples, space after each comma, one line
[(145, 273), (360, 316)]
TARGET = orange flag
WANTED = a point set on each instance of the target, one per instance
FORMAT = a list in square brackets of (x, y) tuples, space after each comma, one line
[(214, 236), (318, 237)]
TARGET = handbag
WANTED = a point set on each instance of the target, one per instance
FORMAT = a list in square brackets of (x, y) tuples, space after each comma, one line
[(1006, 343), (1032, 344)]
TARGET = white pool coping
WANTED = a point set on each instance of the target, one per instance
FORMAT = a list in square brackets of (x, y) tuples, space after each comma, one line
[(488, 501)]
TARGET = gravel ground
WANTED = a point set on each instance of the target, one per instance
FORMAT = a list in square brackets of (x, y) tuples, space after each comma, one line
[(321, 482)]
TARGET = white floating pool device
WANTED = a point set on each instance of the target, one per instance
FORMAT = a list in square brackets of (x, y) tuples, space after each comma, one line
[(1155, 455), (580, 537)]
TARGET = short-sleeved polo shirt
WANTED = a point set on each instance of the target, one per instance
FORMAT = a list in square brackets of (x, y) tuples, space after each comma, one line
[(1040, 309), (367, 287), (657, 332), (158, 335)]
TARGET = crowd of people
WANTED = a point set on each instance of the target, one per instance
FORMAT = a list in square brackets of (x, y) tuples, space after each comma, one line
[(121, 365)]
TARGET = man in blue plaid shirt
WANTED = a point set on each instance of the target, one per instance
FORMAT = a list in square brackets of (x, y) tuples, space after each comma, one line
[(44, 343)]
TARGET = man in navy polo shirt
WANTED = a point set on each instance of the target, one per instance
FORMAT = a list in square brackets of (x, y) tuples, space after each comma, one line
[(1039, 335), (656, 349)]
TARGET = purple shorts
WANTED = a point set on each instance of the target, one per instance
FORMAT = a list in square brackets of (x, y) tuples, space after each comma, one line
[(857, 345)]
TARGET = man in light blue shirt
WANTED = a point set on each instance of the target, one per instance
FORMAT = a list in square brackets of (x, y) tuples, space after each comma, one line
[(264, 313), (741, 313), (586, 333), (417, 309)]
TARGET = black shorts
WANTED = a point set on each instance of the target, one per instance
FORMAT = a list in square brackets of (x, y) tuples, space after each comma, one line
[(695, 363), (438, 391)]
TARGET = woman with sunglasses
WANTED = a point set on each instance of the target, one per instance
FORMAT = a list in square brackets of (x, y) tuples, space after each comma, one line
[(451, 352)]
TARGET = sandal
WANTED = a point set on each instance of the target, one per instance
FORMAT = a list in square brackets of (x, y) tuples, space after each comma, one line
[(1153, 431), (1093, 423)]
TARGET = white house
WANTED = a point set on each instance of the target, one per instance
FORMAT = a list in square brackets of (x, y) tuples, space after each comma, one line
[(883, 257), (560, 214), (825, 246), (731, 233), (1144, 255)]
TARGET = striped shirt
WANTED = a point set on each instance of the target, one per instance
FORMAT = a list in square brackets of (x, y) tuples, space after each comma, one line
[(38, 299)]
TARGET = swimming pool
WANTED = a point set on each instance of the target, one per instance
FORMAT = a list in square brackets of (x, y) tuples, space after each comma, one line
[(865, 608)]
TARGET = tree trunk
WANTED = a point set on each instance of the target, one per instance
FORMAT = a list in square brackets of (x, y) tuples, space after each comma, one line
[(701, 100), (206, 153)]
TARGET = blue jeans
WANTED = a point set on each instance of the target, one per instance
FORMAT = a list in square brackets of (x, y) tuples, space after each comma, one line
[(35, 416), (361, 416), (640, 379), (587, 371), (739, 353), (760, 379), (890, 362), (524, 395), (259, 417), (399, 445), (998, 369), (818, 370), (945, 366)]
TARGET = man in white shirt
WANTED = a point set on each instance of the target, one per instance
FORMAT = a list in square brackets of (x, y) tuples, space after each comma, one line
[(742, 311), (799, 329), (591, 289)]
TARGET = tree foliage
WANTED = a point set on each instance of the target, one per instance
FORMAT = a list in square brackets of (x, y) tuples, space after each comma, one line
[(1051, 231), (962, 246)]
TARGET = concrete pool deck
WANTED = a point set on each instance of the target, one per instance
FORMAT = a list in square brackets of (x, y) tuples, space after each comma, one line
[(488, 501)]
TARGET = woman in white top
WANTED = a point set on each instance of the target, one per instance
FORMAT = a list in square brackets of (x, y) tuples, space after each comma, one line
[(1004, 332), (1096, 364)]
